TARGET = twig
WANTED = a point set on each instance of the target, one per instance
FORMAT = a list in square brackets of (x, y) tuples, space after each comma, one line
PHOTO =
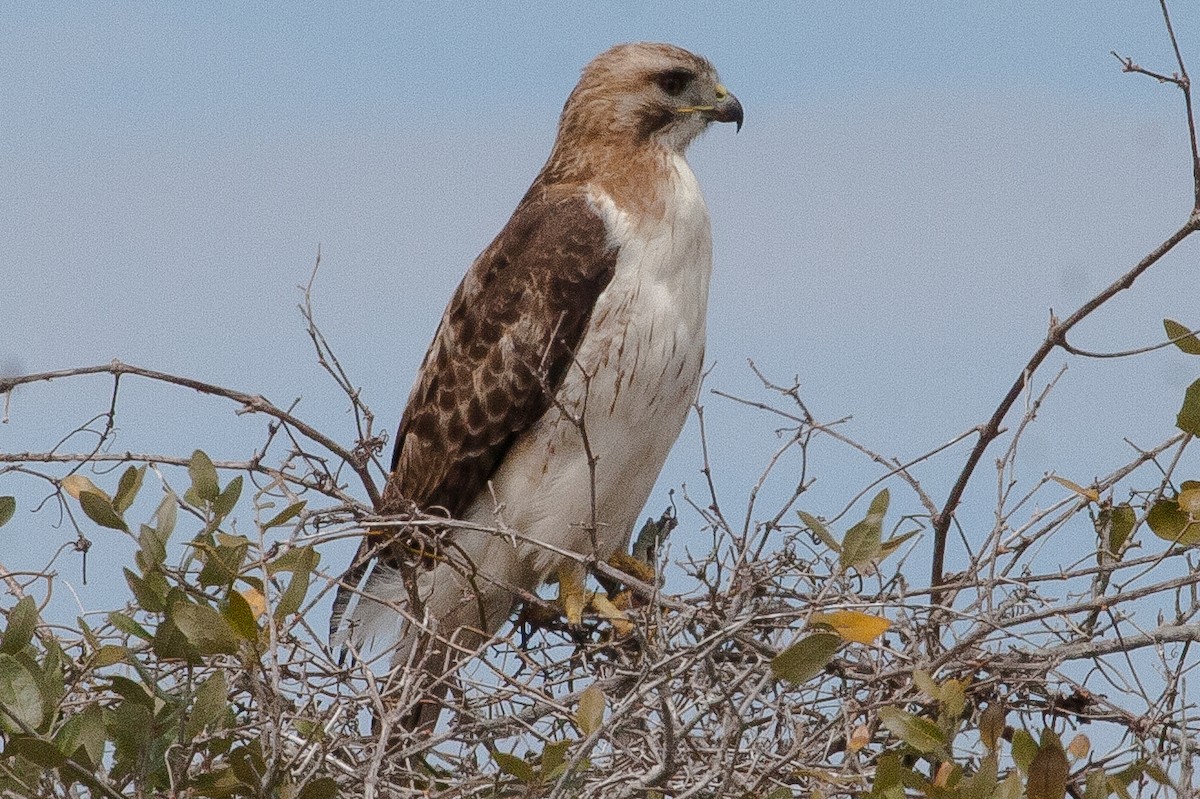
[(251, 403)]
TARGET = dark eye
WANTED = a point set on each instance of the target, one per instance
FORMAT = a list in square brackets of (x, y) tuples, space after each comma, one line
[(674, 81)]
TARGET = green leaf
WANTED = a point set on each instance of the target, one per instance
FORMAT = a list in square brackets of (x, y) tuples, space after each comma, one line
[(1049, 770), (590, 713), (1184, 339), (89, 637), (209, 706), (205, 628), (164, 516), (806, 658), (36, 750), (1169, 522), (240, 615), (1010, 787), (891, 775), (320, 788), (128, 626), (170, 643), (222, 783), (204, 477), (22, 620), (982, 783), (8, 506), (300, 561), (919, 733), (515, 766), (953, 698), (131, 691), (153, 548), (311, 730), (894, 543), (19, 695), (248, 763), (84, 730), (781, 792), (293, 595), (146, 593), (1154, 772), (127, 489), (819, 530), (991, 725), (554, 760), (863, 542), (223, 561), (1024, 749), (285, 515), (1188, 419), (297, 559), (228, 498), (129, 726), (1096, 786), (926, 684), (108, 655), (1114, 526), (98, 508)]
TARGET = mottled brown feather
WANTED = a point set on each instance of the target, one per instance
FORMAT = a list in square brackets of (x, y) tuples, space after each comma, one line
[(501, 351), (499, 355)]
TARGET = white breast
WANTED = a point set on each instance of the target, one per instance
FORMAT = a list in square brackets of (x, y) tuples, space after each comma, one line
[(635, 378)]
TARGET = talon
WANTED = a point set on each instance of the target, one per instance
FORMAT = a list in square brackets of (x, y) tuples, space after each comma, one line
[(623, 600), (622, 626), (632, 566)]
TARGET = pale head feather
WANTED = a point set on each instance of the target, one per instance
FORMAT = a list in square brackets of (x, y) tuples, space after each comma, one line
[(635, 107)]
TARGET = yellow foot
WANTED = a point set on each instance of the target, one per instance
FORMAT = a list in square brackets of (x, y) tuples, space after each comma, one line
[(622, 626), (575, 599), (633, 567), (571, 593)]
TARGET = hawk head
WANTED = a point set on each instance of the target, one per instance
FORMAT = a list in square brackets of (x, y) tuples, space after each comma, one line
[(646, 92)]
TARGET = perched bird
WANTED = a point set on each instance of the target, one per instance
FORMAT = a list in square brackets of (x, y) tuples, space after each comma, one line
[(561, 373)]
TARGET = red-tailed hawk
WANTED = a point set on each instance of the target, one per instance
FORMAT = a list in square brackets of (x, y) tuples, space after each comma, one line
[(563, 368)]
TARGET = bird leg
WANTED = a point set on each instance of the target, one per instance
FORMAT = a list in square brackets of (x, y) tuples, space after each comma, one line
[(572, 595), (575, 599)]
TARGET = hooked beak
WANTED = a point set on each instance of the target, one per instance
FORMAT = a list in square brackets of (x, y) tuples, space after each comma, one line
[(727, 108)]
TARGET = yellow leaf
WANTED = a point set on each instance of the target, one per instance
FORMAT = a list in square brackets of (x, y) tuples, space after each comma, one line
[(1090, 494), (953, 698), (590, 713), (926, 685), (1079, 747), (859, 738), (255, 599), (991, 724), (852, 625), (76, 484), (1189, 501)]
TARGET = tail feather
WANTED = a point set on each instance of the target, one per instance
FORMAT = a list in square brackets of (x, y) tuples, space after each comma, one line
[(348, 585)]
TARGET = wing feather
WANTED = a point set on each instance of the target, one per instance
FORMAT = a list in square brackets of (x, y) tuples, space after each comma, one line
[(499, 356)]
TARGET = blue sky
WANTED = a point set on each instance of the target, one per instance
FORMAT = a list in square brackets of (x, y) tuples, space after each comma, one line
[(915, 188)]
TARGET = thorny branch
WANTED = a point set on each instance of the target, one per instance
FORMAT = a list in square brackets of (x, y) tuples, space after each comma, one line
[(250, 403), (1056, 336)]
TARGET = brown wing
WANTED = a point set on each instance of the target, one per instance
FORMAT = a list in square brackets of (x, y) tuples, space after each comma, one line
[(500, 353)]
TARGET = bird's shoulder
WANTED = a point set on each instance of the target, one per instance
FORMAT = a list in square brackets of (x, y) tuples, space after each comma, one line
[(502, 349)]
